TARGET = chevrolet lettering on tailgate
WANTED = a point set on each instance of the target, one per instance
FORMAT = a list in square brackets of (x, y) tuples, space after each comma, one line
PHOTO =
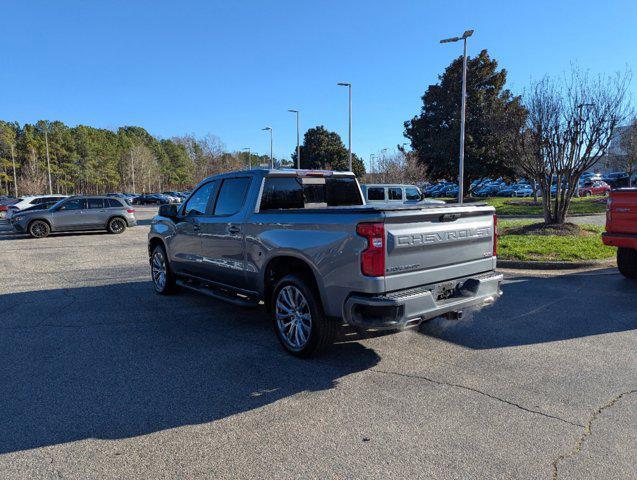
[(442, 237)]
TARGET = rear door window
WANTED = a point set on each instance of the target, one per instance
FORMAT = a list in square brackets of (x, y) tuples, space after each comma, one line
[(95, 203), (376, 193), (231, 196), (395, 193)]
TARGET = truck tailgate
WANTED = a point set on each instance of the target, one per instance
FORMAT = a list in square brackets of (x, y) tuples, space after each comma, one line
[(431, 246)]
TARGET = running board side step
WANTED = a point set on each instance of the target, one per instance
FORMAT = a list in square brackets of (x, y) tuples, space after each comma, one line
[(224, 296)]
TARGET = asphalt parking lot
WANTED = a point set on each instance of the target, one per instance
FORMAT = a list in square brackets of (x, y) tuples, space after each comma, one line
[(101, 378)]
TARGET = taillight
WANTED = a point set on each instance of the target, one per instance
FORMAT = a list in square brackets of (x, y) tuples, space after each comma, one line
[(130, 210), (373, 257), (495, 235), (3, 208)]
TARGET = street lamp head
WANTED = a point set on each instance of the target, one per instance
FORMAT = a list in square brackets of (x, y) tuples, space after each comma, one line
[(467, 34), (267, 128), (344, 84), (449, 40), (293, 111)]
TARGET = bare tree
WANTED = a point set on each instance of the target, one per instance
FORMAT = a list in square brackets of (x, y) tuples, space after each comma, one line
[(628, 143), (144, 167), (399, 168), (569, 127), (205, 154)]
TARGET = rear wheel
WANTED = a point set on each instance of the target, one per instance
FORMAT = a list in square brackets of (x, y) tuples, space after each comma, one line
[(161, 274), (39, 229), (627, 262), (116, 225), (299, 321)]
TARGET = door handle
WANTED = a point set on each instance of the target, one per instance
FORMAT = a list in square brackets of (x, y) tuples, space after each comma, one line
[(233, 229)]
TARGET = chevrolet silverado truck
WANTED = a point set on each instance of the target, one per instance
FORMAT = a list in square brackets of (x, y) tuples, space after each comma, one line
[(621, 229), (306, 245)]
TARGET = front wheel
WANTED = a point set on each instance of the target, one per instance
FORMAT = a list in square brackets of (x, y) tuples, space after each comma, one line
[(161, 273), (627, 262), (39, 229), (299, 321)]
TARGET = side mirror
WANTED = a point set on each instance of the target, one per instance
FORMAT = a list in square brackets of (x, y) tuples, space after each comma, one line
[(169, 210)]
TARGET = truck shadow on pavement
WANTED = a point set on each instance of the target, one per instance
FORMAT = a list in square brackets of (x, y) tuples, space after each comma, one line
[(546, 309), (118, 361)]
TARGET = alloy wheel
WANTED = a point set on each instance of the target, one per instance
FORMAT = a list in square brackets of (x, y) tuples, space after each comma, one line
[(158, 271), (293, 317)]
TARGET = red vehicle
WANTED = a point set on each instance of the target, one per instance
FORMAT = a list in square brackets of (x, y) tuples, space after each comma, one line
[(621, 229), (596, 187)]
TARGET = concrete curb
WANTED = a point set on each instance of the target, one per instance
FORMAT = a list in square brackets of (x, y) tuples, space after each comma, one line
[(528, 265), (513, 217)]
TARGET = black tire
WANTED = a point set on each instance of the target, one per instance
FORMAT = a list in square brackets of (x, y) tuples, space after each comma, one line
[(168, 285), (322, 331), (116, 225), (587, 193), (627, 262), (39, 229)]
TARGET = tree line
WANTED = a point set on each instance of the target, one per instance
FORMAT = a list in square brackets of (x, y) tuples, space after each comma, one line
[(90, 160)]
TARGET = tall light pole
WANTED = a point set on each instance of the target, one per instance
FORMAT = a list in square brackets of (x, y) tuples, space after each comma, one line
[(298, 137), (464, 37), (349, 87), (48, 160), (371, 163), (15, 178), (247, 149), (271, 155)]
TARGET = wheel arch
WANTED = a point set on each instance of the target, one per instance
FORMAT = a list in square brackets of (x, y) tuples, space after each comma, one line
[(285, 264)]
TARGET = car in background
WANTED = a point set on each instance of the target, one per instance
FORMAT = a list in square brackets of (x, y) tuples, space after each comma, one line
[(151, 199), (510, 191), (617, 179), (589, 188), (177, 196), (127, 198), (621, 229), (76, 213), (394, 193), (490, 189), (28, 201), (524, 191)]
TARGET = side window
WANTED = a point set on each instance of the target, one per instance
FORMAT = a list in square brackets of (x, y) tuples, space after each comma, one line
[(35, 201), (395, 193), (114, 203), (198, 203), (95, 203), (74, 204), (231, 195), (282, 193), (412, 194), (376, 193)]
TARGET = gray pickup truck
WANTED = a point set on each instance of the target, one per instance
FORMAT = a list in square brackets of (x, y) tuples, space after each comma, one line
[(306, 244)]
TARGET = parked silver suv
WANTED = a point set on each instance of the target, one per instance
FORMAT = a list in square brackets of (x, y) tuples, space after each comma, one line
[(77, 213)]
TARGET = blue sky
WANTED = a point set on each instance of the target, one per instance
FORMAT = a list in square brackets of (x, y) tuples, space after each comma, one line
[(232, 67)]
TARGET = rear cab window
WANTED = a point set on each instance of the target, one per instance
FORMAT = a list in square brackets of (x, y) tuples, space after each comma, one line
[(284, 193)]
